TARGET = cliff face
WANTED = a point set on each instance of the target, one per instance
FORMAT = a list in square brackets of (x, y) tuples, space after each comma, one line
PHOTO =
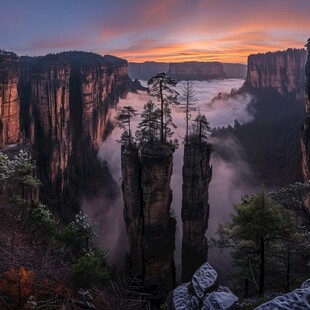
[(45, 93), (305, 133), (282, 71), (197, 174), (65, 104), (9, 100), (150, 228), (196, 71)]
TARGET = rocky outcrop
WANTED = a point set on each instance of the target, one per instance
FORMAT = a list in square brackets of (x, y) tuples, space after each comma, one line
[(9, 99), (150, 227), (197, 174), (146, 70), (193, 70), (295, 300), (66, 101), (202, 292), (133, 210), (282, 71)]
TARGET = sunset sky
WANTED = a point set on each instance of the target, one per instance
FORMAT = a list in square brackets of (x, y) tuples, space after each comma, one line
[(159, 30)]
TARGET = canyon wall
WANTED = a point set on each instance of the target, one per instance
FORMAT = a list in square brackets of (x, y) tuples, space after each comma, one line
[(305, 133), (61, 104), (197, 174), (193, 70), (282, 71), (66, 102), (9, 100), (150, 227)]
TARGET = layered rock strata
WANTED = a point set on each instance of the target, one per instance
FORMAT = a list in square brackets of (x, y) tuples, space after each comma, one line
[(193, 70), (197, 174), (150, 227), (282, 71), (9, 99)]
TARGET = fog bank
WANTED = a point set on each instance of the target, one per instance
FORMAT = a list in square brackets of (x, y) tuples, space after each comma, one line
[(228, 181)]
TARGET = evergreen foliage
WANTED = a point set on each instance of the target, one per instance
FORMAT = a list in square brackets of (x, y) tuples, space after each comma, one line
[(79, 234), (90, 269), (161, 87), (149, 127), (188, 100), (124, 122), (269, 244)]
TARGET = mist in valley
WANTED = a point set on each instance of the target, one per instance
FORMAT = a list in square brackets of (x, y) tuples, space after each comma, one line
[(230, 180)]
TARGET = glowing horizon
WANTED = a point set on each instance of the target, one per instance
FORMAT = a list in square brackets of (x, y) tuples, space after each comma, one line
[(170, 31)]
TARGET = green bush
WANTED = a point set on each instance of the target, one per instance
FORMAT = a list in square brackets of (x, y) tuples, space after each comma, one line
[(90, 269), (79, 234), (41, 221)]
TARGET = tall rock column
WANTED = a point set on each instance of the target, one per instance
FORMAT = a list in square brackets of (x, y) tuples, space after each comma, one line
[(305, 134), (9, 100), (159, 226), (150, 227), (133, 213), (197, 174)]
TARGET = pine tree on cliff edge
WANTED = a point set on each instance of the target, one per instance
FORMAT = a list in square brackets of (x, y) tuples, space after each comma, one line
[(124, 121), (160, 86), (189, 99)]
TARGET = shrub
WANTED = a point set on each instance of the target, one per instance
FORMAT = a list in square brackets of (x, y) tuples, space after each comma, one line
[(91, 269)]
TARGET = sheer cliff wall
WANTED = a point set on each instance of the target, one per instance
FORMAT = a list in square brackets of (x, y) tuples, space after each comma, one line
[(62, 104), (282, 71), (9, 99)]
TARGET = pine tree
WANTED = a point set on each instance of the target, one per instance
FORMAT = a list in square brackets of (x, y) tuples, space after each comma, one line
[(160, 86), (201, 128), (124, 122), (188, 98), (149, 127)]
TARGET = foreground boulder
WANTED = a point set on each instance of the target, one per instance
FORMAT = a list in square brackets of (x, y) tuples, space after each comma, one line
[(203, 292), (295, 300)]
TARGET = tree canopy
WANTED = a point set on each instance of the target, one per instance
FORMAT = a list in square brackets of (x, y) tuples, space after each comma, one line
[(267, 242), (161, 87)]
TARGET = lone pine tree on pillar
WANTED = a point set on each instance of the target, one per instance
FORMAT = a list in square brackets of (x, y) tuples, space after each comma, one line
[(160, 86)]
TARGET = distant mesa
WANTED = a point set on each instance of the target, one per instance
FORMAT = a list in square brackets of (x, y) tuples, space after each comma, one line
[(145, 70), (193, 70)]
